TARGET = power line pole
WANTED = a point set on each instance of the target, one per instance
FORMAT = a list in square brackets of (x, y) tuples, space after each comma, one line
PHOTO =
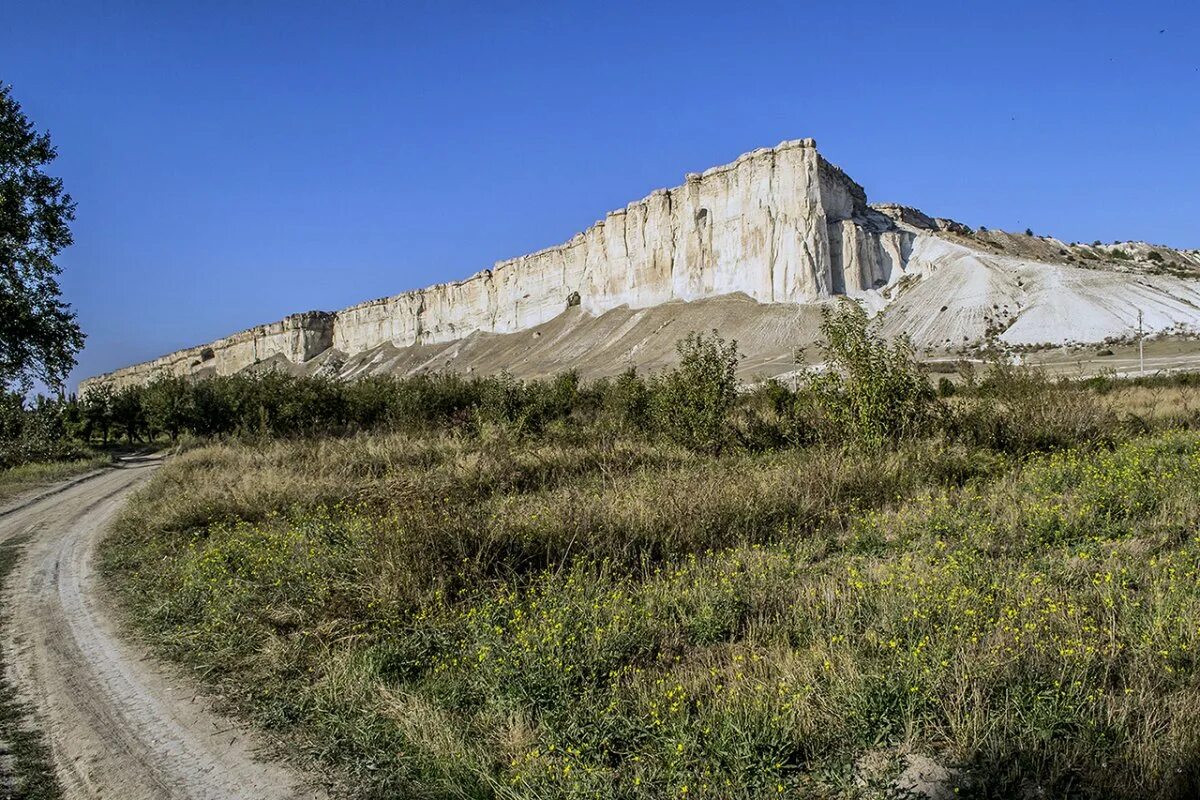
[(1141, 346)]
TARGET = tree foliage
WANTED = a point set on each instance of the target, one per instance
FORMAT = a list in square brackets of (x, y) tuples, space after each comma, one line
[(39, 336), (692, 402), (873, 391)]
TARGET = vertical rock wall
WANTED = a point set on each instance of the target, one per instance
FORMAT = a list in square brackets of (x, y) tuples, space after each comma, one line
[(759, 225), (781, 225)]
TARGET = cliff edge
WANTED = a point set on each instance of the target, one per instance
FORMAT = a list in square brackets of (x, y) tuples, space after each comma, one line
[(781, 227)]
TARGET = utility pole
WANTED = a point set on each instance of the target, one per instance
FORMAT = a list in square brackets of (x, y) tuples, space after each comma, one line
[(1141, 347)]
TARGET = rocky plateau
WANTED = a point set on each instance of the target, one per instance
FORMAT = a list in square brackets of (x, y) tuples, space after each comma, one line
[(752, 249)]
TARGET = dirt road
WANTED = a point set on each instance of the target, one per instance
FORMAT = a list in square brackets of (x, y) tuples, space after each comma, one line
[(119, 724)]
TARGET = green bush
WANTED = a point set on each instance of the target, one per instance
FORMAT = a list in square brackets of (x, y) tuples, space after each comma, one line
[(1019, 410), (625, 403), (871, 391), (771, 417), (692, 403)]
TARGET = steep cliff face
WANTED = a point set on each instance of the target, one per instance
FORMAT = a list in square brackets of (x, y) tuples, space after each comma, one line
[(759, 226), (297, 338), (780, 225), (748, 247)]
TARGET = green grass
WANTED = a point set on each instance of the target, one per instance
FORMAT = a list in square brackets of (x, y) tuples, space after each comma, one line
[(444, 616), (16, 480)]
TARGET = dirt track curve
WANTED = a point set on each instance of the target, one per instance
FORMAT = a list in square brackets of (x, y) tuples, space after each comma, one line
[(119, 724)]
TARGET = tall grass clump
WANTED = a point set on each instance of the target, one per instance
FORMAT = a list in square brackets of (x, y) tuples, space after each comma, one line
[(1019, 410)]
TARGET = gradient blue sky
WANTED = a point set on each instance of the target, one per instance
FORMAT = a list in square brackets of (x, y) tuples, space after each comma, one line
[(238, 161)]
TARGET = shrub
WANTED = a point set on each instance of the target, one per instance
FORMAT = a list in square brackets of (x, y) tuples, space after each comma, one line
[(625, 403), (691, 403), (772, 417), (871, 392), (1019, 410)]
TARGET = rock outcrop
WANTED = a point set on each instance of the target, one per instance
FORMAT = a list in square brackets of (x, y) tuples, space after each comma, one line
[(780, 225), (296, 338), (756, 243)]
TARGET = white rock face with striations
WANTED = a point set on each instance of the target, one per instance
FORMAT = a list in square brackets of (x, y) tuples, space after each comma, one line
[(760, 226), (781, 227)]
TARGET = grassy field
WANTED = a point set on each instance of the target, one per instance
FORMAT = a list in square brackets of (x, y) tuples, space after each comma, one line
[(15, 480), (448, 615), (684, 588)]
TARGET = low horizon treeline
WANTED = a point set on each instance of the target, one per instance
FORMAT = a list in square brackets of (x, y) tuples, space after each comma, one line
[(873, 392)]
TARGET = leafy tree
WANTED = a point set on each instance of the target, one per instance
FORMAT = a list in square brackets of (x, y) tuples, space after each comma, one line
[(39, 336), (97, 412), (168, 405), (692, 402), (127, 413), (216, 405), (873, 392), (12, 415)]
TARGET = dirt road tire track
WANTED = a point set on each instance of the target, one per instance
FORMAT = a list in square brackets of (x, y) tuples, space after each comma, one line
[(119, 724)]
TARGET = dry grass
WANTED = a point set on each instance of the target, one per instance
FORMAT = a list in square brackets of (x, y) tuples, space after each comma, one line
[(15, 480), (1162, 405), (441, 616)]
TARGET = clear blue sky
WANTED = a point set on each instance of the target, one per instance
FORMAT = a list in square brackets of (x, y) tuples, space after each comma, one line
[(237, 161)]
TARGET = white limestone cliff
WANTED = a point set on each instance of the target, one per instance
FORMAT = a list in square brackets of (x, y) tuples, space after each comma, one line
[(781, 228), (781, 225)]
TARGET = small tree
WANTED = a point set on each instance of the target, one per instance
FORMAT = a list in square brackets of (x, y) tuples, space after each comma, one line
[(215, 404), (691, 403), (872, 391), (168, 404), (627, 402), (127, 413), (97, 412)]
